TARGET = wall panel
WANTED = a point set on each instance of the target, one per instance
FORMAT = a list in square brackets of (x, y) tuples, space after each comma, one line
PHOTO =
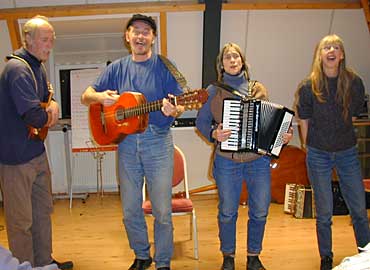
[(43, 3), (280, 46), (184, 44), (234, 27), (351, 27), (7, 4), (5, 45)]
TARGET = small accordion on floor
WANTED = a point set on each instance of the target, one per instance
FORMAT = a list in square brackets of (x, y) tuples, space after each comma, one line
[(256, 126), (299, 201)]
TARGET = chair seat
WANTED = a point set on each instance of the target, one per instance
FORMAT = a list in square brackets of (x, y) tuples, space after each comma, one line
[(366, 184), (178, 205)]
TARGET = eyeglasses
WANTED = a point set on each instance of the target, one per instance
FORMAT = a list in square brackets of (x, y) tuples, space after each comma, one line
[(137, 32)]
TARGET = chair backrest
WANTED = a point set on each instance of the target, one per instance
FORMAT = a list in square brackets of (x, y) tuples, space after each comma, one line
[(178, 167), (180, 170), (179, 174)]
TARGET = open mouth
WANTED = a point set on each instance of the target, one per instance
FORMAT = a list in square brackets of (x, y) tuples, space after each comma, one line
[(140, 43), (331, 57)]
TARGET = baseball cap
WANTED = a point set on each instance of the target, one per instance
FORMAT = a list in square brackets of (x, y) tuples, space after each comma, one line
[(147, 19)]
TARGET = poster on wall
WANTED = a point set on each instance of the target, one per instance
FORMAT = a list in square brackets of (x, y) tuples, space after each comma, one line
[(81, 138)]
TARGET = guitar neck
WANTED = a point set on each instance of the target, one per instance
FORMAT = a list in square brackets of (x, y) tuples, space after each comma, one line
[(189, 100), (141, 109)]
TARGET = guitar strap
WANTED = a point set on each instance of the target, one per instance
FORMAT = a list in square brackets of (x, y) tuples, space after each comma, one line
[(175, 72), (27, 65), (32, 73)]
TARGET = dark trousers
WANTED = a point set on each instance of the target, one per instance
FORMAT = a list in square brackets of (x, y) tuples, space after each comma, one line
[(28, 205)]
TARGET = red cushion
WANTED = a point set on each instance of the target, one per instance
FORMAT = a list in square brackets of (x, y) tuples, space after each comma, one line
[(367, 184), (178, 205), (182, 205)]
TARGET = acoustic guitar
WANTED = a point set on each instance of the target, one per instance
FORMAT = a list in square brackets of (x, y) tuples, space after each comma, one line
[(130, 114), (41, 133)]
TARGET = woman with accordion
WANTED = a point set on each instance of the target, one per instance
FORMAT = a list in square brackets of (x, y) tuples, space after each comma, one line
[(231, 168)]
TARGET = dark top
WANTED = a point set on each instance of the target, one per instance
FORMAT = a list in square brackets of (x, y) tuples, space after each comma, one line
[(327, 130), (20, 107)]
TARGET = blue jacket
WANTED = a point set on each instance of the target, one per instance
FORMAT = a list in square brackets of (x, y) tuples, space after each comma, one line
[(20, 107)]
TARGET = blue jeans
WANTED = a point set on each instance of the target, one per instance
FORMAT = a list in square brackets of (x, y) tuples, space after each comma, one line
[(320, 166), (148, 154), (229, 176)]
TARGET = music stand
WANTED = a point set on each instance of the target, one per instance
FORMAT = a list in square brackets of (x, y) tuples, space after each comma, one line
[(98, 155), (69, 172)]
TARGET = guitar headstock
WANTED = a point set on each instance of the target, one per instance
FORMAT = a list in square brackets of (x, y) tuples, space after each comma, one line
[(193, 100)]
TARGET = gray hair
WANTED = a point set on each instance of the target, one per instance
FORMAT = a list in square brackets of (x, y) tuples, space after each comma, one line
[(31, 26)]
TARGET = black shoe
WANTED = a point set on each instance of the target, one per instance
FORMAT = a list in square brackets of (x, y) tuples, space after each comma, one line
[(228, 263), (254, 263), (140, 264), (63, 265), (163, 268), (326, 263)]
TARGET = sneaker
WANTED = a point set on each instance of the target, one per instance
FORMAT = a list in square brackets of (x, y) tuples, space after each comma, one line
[(63, 265), (326, 263), (140, 264), (228, 263), (254, 263)]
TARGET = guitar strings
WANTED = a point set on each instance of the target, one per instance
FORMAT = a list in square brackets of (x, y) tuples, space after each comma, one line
[(153, 106)]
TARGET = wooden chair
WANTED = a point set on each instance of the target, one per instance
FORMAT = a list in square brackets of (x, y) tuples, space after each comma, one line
[(181, 205)]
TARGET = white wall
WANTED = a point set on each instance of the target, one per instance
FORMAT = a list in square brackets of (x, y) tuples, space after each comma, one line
[(5, 44), (351, 26), (279, 44), (42, 3), (185, 44)]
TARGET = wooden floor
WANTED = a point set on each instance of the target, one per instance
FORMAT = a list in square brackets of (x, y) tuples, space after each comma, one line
[(92, 235)]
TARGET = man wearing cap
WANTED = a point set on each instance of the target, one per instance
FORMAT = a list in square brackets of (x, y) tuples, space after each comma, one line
[(148, 154)]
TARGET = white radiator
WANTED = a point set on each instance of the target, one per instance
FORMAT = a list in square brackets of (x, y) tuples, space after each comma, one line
[(85, 170), (83, 166)]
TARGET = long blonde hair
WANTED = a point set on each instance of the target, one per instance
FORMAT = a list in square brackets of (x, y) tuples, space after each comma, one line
[(320, 81), (220, 66)]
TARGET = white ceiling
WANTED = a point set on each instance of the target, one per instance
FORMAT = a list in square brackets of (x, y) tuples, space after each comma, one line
[(88, 26)]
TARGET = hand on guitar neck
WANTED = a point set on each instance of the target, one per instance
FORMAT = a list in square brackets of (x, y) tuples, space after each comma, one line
[(169, 108)]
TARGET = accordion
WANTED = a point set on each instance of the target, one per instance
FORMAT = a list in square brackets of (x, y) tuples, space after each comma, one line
[(256, 126), (305, 203), (290, 198), (299, 201)]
